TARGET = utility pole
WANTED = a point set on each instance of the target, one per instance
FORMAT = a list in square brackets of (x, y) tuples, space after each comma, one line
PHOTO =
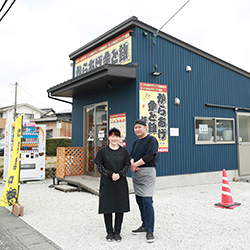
[(14, 116)]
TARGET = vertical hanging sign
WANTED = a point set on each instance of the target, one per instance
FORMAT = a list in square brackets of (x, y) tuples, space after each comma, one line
[(154, 111), (10, 194), (119, 121)]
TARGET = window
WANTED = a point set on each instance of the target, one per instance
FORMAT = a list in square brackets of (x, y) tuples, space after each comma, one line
[(49, 133), (28, 116), (210, 130), (244, 132)]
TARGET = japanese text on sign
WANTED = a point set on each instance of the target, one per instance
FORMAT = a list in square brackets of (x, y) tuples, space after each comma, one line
[(153, 110), (10, 194), (119, 121), (116, 51)]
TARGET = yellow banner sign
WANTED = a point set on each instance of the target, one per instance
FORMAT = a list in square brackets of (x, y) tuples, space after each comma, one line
[(10, 194), (154, 111), (116, 51)]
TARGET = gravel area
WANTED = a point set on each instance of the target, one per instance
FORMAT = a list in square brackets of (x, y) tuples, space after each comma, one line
[(185, 218)]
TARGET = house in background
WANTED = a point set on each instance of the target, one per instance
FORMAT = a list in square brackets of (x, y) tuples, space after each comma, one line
[(28, 111), (57, 124)]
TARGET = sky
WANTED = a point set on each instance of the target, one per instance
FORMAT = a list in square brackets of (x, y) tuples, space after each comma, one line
[(36, 37)]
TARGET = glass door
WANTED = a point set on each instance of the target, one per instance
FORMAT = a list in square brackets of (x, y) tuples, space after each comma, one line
[(243, 122), (96, 126)]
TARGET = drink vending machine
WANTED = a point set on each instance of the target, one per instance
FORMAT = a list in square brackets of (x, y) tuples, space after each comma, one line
[(33, 151)]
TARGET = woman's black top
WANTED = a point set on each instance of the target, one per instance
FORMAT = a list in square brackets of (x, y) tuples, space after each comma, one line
[(113, 195)]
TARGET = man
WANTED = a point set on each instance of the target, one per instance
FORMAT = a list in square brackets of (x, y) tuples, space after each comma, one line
[(143, 158)]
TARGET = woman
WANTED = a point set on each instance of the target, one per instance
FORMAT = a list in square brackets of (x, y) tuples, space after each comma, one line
[(112, 162)]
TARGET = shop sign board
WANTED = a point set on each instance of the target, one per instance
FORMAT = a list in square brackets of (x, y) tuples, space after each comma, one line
[(116, 51), (154, 111), (119, 121)]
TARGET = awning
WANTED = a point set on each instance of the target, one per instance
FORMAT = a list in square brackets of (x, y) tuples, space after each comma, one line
[(106, 75)]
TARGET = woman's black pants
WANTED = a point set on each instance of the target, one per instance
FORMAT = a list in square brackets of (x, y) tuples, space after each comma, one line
[(109, 223)]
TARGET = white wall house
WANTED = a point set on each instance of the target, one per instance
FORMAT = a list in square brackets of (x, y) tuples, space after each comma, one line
[(28, 111)]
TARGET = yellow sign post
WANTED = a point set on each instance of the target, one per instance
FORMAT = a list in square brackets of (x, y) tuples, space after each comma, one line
[(10, 194)]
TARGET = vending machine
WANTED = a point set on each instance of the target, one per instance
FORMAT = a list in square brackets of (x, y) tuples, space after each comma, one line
[(33, 151)]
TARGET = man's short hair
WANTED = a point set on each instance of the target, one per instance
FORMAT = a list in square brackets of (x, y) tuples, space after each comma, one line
[(140, 122)]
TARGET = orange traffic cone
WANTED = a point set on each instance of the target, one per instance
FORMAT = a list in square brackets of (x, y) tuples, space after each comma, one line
[(226, 196)]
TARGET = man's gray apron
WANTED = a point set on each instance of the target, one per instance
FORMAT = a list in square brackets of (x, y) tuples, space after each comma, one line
[(144, 181)]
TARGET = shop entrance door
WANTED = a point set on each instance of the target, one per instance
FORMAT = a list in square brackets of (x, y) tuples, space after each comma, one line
[(96, 127), (243, 136)]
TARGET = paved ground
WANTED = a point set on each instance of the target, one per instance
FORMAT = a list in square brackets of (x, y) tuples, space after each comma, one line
[(16, 234), (185, 219)]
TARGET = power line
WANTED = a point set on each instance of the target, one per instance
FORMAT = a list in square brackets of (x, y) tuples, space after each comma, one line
[(7, 10), (31, 95), (3, 5)]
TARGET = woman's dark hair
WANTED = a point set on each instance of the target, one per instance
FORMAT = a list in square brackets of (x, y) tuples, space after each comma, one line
[(114, 131)]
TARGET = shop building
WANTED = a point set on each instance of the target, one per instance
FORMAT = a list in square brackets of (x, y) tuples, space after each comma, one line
[(195, 104)]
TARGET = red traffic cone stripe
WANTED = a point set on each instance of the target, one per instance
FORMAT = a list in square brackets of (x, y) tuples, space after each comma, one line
[(225, 186), (226, 196)]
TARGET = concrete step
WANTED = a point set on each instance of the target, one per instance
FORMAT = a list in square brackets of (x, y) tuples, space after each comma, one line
[(66, 188)]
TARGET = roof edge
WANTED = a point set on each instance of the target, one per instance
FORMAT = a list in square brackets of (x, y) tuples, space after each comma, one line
[(192, 48), (122, 26), (133, 21), (21, 105), (106, 67)]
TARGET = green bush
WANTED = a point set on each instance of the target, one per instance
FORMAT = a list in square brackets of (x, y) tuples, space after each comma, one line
[(52, 144)]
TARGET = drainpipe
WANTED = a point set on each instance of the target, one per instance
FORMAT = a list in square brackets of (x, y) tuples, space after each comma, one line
[(57, 99)]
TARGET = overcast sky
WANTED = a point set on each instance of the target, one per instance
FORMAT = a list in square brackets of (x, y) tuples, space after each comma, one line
[(36, 37)]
